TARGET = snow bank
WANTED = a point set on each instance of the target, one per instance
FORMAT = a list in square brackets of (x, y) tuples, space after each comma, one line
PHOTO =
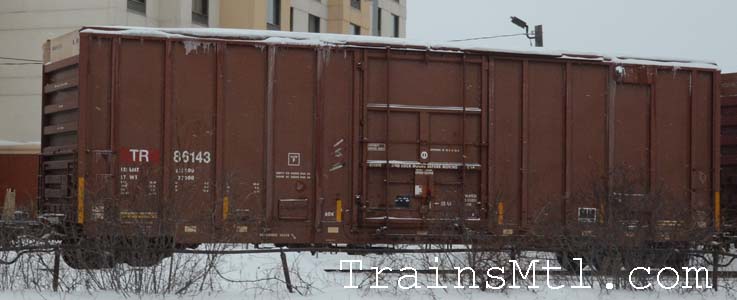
[(235, 269), (341, 40)]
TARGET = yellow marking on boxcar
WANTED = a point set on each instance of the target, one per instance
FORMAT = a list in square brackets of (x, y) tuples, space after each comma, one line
[(226, 207), (717, 211), (80, 200), (339, 210), (500, 213)]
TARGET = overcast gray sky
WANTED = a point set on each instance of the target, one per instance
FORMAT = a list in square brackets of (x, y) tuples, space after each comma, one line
[(696, 29)]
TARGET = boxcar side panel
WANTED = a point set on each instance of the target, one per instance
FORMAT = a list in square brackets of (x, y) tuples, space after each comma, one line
[(589, 140), (728, 151), (702, 149), (244, 153), (192, 206), (294, 153), (335, 127), (672, 144), (138, 134), (547, 144), (506, 148), (632, 138), (96, 125), (630, 173)]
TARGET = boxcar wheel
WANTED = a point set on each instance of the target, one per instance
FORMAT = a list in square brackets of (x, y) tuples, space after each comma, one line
[(144, 252), (678, 260), (142, 259), (655, 258), (86, 255), (7, 239), (567, 262)]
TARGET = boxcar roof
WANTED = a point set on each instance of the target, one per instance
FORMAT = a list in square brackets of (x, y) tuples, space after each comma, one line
[(341, 40)]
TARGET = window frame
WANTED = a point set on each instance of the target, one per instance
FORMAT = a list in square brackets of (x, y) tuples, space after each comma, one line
[(136, 6), (275, 15), (313, 23), (291, 18), (378, 21), (355, 29), (201, 18), (356, 4)]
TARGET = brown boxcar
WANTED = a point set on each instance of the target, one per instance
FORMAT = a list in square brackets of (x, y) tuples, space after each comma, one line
[(272, 137), (729, 152), (19, 172)]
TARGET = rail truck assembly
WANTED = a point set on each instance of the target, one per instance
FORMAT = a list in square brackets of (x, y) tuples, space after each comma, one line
[(179, 137)]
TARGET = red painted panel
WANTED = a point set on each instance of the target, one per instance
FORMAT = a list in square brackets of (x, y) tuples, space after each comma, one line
[(20, 173)]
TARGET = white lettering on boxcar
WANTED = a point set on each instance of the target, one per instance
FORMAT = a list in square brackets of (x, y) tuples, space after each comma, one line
[(424, 155), (153, 188), (293, 175), (139, 155), (294, 159), (194, 157), (376, 147)]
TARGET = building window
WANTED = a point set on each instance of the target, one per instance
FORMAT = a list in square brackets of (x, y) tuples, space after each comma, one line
[(355, 29), (356, 4), (377, 22), (314, 25), (291, 19), (137, 6), (273, 14), (200, 9), (396, 25)]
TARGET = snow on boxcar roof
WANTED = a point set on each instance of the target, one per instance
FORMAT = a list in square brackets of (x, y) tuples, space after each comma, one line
[(338, 40)]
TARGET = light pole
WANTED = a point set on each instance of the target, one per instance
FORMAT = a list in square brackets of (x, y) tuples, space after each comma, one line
[(536, 35)]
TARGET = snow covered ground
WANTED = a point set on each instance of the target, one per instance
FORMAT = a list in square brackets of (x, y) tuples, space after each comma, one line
[(339, 294), (245, 277)]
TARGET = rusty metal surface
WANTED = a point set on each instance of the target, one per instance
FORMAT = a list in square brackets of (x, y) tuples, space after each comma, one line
[(20, 173), (227, 140)]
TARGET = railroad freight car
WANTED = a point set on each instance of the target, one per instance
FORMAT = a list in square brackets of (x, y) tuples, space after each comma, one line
[(19, 174), (181, 137)]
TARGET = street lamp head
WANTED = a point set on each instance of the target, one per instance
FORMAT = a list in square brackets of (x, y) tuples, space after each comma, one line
[(519, 22)]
